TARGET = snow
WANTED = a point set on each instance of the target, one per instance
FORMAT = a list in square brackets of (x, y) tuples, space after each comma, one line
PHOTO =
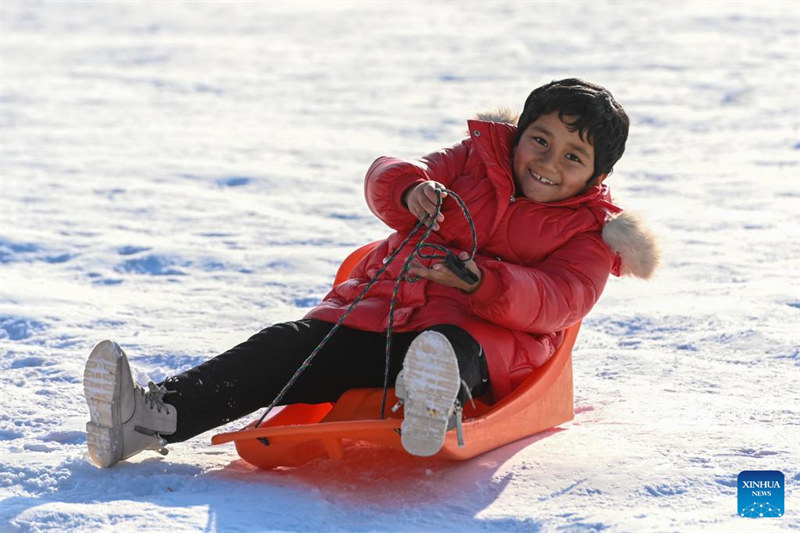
[(176, 176)]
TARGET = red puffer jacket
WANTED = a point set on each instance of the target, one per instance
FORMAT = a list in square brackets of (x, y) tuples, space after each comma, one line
[(544, 264)]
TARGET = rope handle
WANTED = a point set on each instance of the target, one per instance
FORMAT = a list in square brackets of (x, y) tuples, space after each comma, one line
[(459, 268)]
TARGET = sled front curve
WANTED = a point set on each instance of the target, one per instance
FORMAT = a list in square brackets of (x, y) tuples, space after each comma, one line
[(299, 433)]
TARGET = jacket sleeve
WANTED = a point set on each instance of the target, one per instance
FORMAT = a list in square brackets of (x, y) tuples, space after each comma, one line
[(550, 295), (389, 178)]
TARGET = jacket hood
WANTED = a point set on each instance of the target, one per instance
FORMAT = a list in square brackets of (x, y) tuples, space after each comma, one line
[(626, 234), (503, 115)]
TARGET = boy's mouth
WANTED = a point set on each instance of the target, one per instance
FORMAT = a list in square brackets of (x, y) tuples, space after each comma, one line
[(541, 179)]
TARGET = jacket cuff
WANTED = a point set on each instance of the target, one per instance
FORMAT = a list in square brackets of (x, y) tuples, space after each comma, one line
[(400, 188), (490, 289)]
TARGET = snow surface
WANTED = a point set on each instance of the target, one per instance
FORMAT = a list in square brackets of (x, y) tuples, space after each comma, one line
[(176, 176)]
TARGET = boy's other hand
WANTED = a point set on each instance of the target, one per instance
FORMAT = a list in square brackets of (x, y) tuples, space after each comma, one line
[(421, 200), (439, 273)]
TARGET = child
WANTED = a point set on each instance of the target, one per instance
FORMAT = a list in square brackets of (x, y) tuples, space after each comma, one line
[(548, 236)]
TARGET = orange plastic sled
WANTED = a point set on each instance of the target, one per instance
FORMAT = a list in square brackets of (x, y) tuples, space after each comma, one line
[(299, 433)]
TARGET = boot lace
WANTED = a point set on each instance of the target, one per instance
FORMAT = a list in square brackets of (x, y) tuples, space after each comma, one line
[(154, 397)]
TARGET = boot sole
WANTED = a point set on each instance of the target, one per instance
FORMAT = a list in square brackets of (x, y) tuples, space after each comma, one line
[(102, 392), (430, 371)]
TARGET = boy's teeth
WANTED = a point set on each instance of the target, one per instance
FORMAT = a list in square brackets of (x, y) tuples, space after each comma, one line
[(543, 180)]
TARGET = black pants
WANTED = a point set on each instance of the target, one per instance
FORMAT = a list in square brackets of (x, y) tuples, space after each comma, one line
[(251, 375)]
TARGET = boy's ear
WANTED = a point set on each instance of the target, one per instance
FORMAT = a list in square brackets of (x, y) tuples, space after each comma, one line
[(601, 178)]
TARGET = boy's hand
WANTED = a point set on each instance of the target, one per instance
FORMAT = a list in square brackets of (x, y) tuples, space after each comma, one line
[(421, 200), (439, 273)]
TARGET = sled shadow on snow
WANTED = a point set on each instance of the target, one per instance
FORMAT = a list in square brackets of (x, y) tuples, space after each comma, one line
[(384, 489), (379, 475), (375, 488)]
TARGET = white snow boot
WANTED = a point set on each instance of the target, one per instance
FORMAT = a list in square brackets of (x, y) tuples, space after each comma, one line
[(428, 387), (125, 419)]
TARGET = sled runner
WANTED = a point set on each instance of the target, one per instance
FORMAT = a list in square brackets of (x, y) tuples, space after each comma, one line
[(299, 433)]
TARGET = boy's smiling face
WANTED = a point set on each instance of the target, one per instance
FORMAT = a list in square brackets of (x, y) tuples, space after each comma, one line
[(551, 162)]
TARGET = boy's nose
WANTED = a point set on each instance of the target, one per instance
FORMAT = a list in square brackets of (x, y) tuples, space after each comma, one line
[(547, 162)]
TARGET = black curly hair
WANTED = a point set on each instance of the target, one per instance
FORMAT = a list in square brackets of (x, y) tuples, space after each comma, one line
[(601, 121)]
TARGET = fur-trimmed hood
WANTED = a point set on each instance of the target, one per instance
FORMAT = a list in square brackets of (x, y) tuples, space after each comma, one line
[(635, 245), (626, 234)]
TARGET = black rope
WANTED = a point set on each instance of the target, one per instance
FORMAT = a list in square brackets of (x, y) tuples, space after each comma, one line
[(403, 276), (411, 279)]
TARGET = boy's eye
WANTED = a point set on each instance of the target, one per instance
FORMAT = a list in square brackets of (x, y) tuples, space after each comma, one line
[(573, 157), (540, 141)]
